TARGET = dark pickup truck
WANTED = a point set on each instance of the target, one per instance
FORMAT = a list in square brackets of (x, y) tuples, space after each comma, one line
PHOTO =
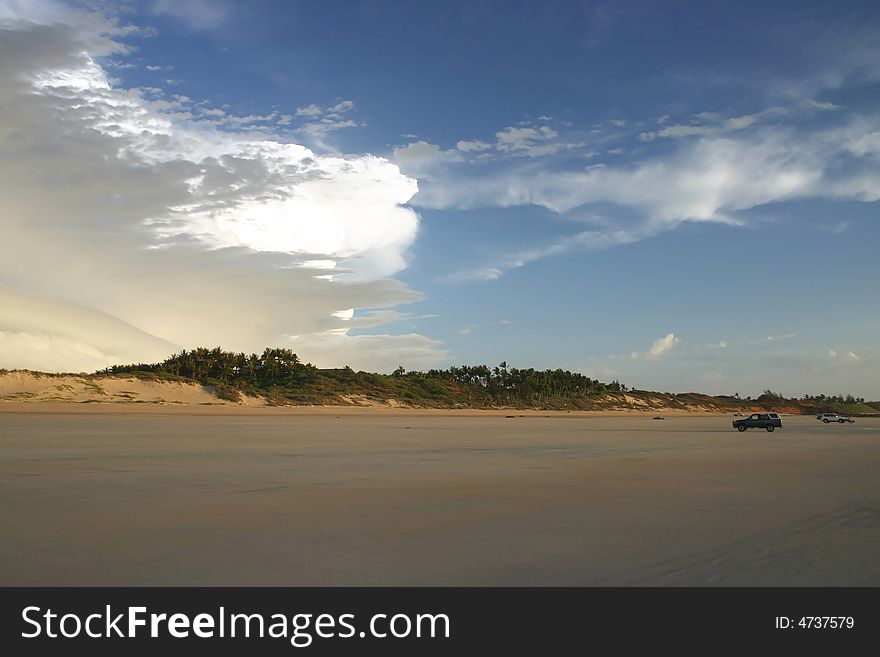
[(768, 421)]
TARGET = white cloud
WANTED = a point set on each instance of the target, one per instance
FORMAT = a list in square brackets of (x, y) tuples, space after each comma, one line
[(588, 240), (321, 121), (823, 105), (713, 177), (372, 353), (310, 110), (469, 146), (531, 142), (517, 139), (421, 158), (211, 111), (250, 119), (341, 107), (775, 338), (718, 127), (849, 358), (117, 205), (511, 142), (658, 350), (481, 274), (703, 180)]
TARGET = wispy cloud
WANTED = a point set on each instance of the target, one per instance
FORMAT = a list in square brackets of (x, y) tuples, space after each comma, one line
[(717, 345), (777, 338), (197, 14), (588, 240), (471, 146), (527, 140), (713, 178), (718, 127), (524, 140), (822, 105), (467, 330), (703, 167), (321, 121)]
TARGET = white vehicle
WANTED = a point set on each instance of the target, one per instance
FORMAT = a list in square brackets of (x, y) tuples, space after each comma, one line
[(834, 417)]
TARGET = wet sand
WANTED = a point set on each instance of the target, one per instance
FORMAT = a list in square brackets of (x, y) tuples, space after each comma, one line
[(346, 498)]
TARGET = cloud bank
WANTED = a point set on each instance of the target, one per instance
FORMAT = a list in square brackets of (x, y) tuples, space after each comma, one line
[(132, 227)]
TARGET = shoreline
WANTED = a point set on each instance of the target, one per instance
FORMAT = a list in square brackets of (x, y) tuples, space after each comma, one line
[(135, 408)]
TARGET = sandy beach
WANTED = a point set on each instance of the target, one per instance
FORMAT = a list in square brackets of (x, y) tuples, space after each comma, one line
[(198, 495)]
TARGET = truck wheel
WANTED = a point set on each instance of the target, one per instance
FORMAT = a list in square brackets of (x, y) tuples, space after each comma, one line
[(826, 421), (741, 427), (841, 421), (770, 428)]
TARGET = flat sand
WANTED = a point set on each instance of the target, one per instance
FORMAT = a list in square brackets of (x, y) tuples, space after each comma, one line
[(338, 497)]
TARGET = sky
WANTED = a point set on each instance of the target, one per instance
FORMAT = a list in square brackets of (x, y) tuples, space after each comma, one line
[(682, 196)]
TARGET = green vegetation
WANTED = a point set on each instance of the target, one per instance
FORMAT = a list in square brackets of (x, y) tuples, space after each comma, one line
[(280, 376), (770, 396), (94, 387), (845, 404)]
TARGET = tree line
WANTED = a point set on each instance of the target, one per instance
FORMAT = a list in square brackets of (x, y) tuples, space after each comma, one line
[(216, 365), (281, 372)]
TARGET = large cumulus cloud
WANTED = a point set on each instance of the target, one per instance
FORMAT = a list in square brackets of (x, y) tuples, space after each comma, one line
[(120, 206)]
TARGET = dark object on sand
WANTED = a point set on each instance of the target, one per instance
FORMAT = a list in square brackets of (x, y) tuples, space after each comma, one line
[(657, 417), (768, 421)]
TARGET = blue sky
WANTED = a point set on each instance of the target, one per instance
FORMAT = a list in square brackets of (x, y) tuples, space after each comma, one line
[(679, 195)]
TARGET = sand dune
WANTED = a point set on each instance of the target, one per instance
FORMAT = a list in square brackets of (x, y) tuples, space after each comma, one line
[(30, 387), (28, 391)]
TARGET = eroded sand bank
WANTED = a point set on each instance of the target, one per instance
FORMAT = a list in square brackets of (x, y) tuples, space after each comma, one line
[(420, 499)]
